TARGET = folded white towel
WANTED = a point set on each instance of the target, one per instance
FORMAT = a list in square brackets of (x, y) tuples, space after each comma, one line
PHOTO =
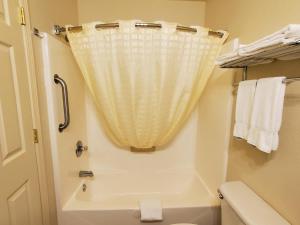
[(286, 35), (290, 56), (277, 42), (227, 57), (261, 46), (151, 210), (283, 32), (282, 44), (289, 53), (267, 114), (286, 31), (244, 104)]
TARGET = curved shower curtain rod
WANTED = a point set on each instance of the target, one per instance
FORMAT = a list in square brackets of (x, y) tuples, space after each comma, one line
[(58, 29)]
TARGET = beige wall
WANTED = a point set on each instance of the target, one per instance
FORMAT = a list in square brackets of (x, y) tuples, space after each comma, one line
[(214, 109), (184, 12), (45, 13), (276, 176)]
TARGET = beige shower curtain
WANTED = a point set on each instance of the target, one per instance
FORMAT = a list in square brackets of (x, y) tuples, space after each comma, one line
[(145, 82)]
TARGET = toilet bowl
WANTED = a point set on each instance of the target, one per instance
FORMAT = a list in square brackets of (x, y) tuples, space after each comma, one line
[(241, 206)]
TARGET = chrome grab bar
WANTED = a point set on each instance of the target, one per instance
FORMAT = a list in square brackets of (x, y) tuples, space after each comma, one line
[(59, 80)]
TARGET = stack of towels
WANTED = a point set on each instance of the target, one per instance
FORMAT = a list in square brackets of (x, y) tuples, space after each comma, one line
[(259, 112), (277, 43)]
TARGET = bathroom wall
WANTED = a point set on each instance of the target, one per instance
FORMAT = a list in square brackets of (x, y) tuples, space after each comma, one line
[(275, 177), (52, 56), (184, 12), (45, 13), (179, 154), (214, 109)]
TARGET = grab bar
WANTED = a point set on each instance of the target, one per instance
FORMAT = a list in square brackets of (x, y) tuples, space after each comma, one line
[(59, 80)]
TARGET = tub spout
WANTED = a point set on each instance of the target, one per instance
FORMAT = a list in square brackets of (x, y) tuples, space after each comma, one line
[(84, 173)]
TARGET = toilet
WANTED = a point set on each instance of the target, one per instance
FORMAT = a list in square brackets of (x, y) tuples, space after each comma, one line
[(241, 206)]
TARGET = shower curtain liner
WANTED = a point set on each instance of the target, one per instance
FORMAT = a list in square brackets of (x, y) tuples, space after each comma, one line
[(144, 82)]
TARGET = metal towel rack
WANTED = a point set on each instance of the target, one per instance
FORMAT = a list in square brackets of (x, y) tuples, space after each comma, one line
[(245, 77), (59, 80)]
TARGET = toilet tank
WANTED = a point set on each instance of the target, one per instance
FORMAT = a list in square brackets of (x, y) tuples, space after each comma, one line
[(241, 206)]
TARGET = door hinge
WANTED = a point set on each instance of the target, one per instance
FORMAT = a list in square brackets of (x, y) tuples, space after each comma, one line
[(22, 16), (35, 136)]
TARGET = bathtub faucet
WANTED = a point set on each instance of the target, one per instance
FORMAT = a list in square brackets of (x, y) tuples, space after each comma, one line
[(85, 173)]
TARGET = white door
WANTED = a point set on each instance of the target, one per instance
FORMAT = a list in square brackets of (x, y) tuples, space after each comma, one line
[(19, 188)]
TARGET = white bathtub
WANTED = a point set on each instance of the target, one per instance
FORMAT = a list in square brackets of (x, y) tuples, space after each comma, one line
[(122, 178), (113, 199)]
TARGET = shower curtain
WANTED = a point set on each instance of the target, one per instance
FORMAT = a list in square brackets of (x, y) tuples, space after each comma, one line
[(145, 82)]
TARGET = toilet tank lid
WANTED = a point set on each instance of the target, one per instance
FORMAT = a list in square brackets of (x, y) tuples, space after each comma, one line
[(252, 209)]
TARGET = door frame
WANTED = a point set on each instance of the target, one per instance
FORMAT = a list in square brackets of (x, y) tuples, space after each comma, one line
[(43, 171)]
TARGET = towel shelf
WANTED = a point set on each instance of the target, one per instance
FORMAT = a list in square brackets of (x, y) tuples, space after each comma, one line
[(267, 56)]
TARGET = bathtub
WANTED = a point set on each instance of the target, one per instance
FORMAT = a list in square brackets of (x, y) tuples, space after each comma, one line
[(112, 196), (113, 199)]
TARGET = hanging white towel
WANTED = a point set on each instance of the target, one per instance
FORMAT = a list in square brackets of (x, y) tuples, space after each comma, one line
[(267, 114), (151, 210), (244, 104)]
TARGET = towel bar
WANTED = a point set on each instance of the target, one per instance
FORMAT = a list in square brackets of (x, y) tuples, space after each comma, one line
[(245, 76)]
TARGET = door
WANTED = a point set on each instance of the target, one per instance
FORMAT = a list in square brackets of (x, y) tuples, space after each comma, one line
[(19, 188)]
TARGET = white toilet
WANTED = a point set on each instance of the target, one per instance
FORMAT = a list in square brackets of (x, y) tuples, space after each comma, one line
[(241, 206)]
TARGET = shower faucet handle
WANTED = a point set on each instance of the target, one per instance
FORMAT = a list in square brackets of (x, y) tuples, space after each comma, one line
[(80, 148)]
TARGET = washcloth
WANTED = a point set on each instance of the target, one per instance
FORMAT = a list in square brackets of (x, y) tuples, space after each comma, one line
[(244, 104), (151, 210), (229, 51), (267, 114)]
